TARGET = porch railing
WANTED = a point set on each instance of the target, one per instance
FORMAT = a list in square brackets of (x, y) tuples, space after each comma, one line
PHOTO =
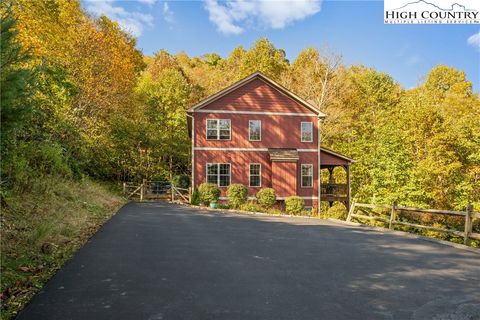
[(334, 189)]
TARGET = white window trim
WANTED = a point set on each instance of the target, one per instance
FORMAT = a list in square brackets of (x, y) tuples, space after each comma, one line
[(249, 121), (218, 174), (218, 130), (301, 131), (301, 174), (250, 177)]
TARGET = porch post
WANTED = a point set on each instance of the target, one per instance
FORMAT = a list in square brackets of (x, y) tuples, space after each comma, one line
[(347, 169)]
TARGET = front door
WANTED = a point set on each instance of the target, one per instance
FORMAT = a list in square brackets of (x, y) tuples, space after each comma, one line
[(284, 178)]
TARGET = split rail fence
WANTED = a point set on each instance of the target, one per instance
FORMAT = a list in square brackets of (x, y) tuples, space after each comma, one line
[(156, 190), (394, 209)]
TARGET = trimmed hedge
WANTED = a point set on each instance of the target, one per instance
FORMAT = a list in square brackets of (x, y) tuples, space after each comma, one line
[(209, 192), (266, 197), (337, 211), (294, 205), (237, 195)]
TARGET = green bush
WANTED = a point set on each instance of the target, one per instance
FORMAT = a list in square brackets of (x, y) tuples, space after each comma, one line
[(181, 181), (266, 197), (237, 195), (252, 207), (209, 192), (337, 211), (294, 205), (195, 200)]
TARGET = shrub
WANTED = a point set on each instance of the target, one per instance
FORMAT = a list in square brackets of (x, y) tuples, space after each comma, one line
[(294, 205), (237, 195), (266, 197), (209, 192), (252, 207), (195, 200), (181, 181), (337, 211)]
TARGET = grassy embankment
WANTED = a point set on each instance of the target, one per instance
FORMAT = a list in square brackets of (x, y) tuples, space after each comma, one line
[(41, 230)]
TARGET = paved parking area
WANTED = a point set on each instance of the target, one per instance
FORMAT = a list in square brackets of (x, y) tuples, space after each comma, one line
[(165, 261)]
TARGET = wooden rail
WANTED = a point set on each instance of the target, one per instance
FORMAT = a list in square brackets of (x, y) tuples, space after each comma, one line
[(469, 215), (156, 190)]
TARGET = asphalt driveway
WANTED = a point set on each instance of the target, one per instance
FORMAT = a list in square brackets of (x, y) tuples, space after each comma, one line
[(163, 261)]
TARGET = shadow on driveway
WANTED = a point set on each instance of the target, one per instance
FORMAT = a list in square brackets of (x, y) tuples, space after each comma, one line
[(164, 261)]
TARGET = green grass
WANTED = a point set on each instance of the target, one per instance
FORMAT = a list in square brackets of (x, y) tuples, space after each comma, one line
[(41, 230)]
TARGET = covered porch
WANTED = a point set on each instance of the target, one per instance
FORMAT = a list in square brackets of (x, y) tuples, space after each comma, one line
[(335, 177)]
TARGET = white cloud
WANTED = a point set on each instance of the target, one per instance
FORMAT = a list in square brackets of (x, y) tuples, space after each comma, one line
[(474, 40), (230, 15), (132, 22), (167, 13)]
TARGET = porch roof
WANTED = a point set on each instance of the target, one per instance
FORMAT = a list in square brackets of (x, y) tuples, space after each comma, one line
[(283, 154), (332, 158)]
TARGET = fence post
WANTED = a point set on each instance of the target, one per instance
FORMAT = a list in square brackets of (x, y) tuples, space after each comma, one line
[(189, 194), (142, 190), (468, 224), (392, 215), (349, 216), (173, 193)]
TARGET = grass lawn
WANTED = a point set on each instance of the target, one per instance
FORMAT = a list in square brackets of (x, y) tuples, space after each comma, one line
[(42, 228)]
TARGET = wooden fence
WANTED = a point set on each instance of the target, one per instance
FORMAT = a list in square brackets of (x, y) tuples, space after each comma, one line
[(393, 209), (156, 190)]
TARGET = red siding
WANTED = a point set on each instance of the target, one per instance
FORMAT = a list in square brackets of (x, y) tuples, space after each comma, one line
[(257, 96), (240, 162), (277, 131)]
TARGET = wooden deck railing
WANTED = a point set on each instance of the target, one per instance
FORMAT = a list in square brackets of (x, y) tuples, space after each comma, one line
[(393, 209), (334, 189)]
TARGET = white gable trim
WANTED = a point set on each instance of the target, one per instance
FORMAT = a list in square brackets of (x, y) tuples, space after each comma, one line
[(300, 114)]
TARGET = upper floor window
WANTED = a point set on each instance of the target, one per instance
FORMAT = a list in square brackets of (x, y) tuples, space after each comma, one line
[(254, 130), (307, 131), (255, 175), (307, 175), (218, 129), (219, 174)]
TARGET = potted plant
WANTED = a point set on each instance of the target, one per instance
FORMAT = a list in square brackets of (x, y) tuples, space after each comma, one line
[(209, 194)]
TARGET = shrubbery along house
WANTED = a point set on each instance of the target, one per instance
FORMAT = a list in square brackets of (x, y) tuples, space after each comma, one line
[(257, 133)]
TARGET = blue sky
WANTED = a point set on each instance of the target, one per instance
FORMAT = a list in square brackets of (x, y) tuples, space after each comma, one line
[(353, 29)]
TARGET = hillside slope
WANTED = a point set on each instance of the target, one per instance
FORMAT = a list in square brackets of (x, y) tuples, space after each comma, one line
[(41, 230)]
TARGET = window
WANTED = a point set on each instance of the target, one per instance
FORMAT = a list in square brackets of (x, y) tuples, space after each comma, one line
[(254, 130), (218, 129), (219, 174), (255, 175), (307, 175), (307, 132)]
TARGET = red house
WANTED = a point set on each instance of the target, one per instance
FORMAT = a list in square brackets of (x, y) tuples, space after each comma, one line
[(257, 133)]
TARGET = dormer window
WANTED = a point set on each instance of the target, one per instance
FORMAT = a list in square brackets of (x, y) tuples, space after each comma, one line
[(218, 129)]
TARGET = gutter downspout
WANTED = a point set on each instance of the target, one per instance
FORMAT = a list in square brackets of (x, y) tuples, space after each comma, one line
[(319, 122), (193, 152)]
